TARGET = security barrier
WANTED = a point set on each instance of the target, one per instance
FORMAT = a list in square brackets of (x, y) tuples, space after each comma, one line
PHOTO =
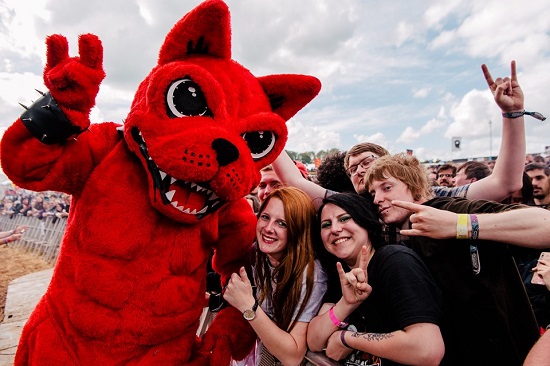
[(42, 237)]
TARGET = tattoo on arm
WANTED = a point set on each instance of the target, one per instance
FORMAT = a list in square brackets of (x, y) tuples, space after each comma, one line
[(372, 336)]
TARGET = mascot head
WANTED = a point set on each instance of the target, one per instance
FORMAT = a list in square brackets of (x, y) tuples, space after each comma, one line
[(202, 125)]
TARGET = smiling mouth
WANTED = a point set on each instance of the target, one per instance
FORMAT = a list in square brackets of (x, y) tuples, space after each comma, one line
[(340, 241), (268, 239), (187, 197)]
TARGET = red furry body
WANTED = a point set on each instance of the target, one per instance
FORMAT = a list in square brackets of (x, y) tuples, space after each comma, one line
[(152, 202)]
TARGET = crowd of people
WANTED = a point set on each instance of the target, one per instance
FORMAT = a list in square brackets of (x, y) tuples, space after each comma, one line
[(18, 201), (381, 260), (424, 265)]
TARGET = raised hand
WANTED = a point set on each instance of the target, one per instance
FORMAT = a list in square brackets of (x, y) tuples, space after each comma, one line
[(428, 221), (74, 81), (355, 286), (506, 91)]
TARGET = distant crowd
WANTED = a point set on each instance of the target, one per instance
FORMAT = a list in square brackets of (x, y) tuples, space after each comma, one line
[(18, 201)]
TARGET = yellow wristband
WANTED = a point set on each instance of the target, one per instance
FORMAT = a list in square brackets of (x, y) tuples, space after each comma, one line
[(462, 226)]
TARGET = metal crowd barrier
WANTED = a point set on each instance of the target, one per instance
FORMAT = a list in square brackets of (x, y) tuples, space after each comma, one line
[(42, 237)]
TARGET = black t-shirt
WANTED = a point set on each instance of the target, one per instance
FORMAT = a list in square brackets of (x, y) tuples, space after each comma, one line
[(488, 318), (403, 293)]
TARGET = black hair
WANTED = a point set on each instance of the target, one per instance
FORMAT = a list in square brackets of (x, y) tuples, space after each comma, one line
[(361, 207)]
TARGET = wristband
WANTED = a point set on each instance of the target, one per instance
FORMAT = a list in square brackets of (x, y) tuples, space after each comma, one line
[(475, 227), (343, 339), (337, 322), (513, 115), (462, 226)]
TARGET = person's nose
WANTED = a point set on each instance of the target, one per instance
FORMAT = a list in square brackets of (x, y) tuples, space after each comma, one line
[(361, 170), (378, 198), (336, 228), (268, 190), (268, 228)]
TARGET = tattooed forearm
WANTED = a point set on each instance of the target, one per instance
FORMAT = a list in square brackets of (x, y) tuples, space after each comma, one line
[(372, 336)]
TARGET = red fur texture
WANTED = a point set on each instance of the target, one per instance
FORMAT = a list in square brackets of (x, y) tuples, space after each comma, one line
[(151, 204)]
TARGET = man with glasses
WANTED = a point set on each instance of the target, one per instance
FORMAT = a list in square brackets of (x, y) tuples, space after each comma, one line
[(445, 175)]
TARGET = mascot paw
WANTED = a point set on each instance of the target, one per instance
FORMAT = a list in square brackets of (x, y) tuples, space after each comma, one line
[(236, 343), (74, 81)]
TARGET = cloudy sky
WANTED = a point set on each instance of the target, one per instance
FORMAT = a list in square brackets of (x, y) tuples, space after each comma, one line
[(404, 74)]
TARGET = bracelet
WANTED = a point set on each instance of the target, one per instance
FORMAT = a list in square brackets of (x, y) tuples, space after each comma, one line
[(337, 322), (513, 115), (343, 339), (475, 227), (462, 226)]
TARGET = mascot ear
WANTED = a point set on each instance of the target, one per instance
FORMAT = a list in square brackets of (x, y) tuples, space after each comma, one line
[(204, 30), (289, 93)]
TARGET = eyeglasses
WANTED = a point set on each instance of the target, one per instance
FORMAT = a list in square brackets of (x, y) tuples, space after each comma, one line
[(445, 175), (365, 163)]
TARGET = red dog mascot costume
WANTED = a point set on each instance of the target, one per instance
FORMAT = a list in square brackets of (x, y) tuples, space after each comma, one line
[(151, 199)]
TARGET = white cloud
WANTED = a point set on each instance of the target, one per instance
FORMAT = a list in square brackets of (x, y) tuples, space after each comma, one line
[(404, 75)]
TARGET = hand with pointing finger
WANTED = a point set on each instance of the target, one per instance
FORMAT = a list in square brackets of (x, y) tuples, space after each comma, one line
[(428, 221)]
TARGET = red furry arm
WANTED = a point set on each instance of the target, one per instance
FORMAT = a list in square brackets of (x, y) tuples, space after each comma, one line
[(237, 227)]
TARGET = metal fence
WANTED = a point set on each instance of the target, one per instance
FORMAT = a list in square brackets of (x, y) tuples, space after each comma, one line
[(42, 237)]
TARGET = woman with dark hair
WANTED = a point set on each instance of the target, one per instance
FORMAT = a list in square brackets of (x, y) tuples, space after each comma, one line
[(290, 282), (382, 304)]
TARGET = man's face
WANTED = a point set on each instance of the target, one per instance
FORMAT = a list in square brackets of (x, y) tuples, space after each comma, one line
[(461, 179), (383, 192), (541, 183), (357, 166), (269, 182), (445, 178)]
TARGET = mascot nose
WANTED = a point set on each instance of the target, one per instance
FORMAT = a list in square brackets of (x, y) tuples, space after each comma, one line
[(226, 151)]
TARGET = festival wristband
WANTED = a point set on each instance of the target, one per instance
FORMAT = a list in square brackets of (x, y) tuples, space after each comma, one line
[(337, 322), (343, 339), (475, 227), (513, 115), (462, 226)]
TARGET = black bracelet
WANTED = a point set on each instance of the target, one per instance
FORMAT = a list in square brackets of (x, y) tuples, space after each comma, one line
[(513, 115), (343, 339)]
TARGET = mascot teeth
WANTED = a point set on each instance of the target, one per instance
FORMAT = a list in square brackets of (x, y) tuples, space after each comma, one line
[(201, 200)]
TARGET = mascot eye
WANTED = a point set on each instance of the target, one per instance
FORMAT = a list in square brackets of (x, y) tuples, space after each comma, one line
[(260, 143), (185, 99)]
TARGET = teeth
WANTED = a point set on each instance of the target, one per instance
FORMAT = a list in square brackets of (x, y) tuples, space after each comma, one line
[(193, 185), (213, 197), (175, 204), (162, 174), (187, 211), (202, 211), (194, 212), (170, 194), (172, 180)]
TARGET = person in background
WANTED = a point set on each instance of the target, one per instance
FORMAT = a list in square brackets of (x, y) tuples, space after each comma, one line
[(269, 182), (302, 168), (445, 175), (504, 181), (470, 172), (488, 318), (331, 174), (540, 179), (290, 282), (381, 302), (10, 236)]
